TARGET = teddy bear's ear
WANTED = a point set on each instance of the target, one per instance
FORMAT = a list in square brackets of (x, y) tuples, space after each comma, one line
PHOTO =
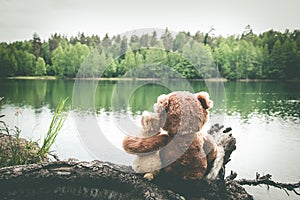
[(162, 103), (203, 97)]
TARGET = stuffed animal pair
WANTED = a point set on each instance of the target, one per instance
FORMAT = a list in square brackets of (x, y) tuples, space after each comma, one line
[(172, 139)]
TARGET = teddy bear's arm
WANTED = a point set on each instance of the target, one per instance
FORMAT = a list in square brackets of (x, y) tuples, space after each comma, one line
[(135, 145)]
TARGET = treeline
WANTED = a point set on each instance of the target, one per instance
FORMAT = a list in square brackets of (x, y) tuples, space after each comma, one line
[(270, 55)]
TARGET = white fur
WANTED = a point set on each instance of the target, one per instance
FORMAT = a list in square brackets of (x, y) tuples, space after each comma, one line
[(147, 163)]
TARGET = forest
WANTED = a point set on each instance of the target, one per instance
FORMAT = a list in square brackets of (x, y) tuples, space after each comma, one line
[(269, 55)]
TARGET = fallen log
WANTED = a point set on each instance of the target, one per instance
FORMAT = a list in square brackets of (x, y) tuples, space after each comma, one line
[(73, 179), (77, 180), (94, 180)]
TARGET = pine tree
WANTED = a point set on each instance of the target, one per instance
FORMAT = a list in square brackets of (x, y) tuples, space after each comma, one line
[(36, 45)]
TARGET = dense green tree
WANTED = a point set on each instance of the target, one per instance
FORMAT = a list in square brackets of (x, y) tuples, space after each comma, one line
[(91, 65), (269, 55), (247, 34), (276, 70), (155, 64), (106, 42), (179, 41), (27, 63), (36, 45), (114, 49), (81, 52), (83, 39), (144, 40), (200, 57), (117, 38), (139, 59), (58, 61), (129, 63), (265, 60), (291, 63), (8, 62), (199, 37), (123, 47), (153, 39), (71, 60), (67, 59), (134, 42), (40, 67), (167, 40), (207, 38), (111, 69), (45, 53), (54, 41)]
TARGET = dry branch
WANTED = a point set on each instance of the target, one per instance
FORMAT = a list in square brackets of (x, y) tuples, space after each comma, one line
[(266, 180)]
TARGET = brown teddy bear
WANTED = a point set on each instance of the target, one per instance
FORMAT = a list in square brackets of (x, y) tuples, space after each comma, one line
[(186, 153)]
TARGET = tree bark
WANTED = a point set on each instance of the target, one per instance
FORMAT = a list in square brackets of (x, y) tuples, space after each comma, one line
[(73, 179), (77, 180)]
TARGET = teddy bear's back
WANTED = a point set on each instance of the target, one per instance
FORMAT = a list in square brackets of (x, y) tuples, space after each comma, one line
[(184, 156)]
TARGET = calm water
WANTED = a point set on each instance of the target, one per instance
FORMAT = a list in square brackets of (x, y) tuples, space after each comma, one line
[(264, 116)]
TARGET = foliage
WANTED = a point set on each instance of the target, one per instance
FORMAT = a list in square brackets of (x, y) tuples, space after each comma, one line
[(40, 68), (15, 150), (269, 55)]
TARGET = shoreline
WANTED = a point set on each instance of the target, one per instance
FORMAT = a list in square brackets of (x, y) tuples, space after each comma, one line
[(32, 78), (139, 79)]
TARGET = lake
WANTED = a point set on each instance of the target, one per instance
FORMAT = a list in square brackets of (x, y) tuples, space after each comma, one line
[(264, 116)]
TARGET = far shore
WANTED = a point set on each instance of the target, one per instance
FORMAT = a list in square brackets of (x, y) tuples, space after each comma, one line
[(101, 78), (33, 77), (130, 79)]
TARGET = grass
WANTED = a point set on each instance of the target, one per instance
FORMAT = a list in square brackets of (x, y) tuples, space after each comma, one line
[(15, 150), (56, 124)]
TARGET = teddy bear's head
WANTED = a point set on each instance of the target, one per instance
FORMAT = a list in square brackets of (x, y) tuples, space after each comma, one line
[(183, 112)]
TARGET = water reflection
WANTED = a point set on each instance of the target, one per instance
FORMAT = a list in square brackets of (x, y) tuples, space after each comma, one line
[(269, 99)]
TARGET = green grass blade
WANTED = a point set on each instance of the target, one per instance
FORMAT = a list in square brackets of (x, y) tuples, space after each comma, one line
[(56, 124)]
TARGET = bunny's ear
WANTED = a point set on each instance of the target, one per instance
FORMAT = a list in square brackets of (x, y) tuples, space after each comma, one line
[(203, 97), (145, 118)]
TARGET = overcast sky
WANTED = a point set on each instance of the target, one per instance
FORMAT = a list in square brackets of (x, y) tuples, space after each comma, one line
[(19, 19)]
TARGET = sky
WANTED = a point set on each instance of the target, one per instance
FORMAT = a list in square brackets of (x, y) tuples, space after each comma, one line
[(19, 19)]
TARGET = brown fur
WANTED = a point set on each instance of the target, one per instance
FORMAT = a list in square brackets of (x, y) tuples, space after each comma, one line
[(188, 152), (135, 145)]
